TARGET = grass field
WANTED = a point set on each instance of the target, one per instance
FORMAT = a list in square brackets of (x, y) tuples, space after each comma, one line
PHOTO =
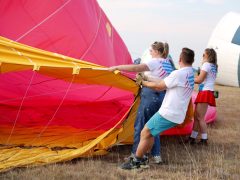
[(219, 160)]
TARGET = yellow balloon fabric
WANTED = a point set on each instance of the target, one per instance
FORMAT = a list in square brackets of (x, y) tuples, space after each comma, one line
[(46, 149)]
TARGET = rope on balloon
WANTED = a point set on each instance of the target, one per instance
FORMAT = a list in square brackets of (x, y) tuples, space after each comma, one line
[(95, 37), (39, 135), (47, 18), (20, 107)]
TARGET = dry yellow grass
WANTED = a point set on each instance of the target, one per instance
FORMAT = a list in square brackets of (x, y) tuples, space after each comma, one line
[(220, 160)]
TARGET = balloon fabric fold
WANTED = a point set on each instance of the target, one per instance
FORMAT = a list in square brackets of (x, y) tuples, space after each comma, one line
[(54, 113)]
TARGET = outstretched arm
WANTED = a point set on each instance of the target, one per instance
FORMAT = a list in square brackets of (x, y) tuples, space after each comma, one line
[(158, 85), (130, 68), (199, 79)]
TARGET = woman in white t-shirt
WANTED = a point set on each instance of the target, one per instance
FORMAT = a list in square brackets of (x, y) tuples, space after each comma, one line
[(158, 67), (205, 96)]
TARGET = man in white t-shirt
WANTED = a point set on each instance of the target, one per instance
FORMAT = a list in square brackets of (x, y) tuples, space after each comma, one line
[(179, 85)]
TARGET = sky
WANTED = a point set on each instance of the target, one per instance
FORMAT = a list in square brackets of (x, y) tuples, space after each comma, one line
[(181, 23)]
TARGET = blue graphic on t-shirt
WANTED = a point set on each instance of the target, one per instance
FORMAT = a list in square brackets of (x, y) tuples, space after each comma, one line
[(200, 87), (167, 66), (189, 84), (212, 74), (213, 71), (191, 81)]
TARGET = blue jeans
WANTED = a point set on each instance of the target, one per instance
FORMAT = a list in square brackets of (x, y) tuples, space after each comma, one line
[(151, 102)]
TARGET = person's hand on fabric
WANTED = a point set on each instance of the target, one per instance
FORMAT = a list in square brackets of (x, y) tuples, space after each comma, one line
[(113, 68), (139, 79)]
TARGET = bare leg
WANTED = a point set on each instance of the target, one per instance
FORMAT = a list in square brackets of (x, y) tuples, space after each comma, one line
[(145, 144), (195, 122), (200, 111)]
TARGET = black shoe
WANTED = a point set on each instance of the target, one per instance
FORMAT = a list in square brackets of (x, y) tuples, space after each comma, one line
[(129, 157), (203, 142), (135, 164), (145, 162), (190, 141)]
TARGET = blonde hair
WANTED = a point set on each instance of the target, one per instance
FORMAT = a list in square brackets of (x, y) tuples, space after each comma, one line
[(162, 48)]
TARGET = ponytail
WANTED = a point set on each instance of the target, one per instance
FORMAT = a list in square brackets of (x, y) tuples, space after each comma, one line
[(162, 48), (166, 50)]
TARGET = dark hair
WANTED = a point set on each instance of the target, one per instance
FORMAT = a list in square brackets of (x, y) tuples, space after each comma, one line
[(212, 56), (187, 56), (162, 48)]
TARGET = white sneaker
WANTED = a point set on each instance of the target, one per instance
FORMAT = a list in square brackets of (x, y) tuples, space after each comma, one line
[(157, 159)]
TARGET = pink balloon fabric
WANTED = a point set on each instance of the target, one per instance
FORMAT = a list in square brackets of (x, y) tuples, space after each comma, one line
[(79, 29)]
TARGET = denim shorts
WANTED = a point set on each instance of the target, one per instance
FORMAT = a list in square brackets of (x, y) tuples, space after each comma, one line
[(158, 124)]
